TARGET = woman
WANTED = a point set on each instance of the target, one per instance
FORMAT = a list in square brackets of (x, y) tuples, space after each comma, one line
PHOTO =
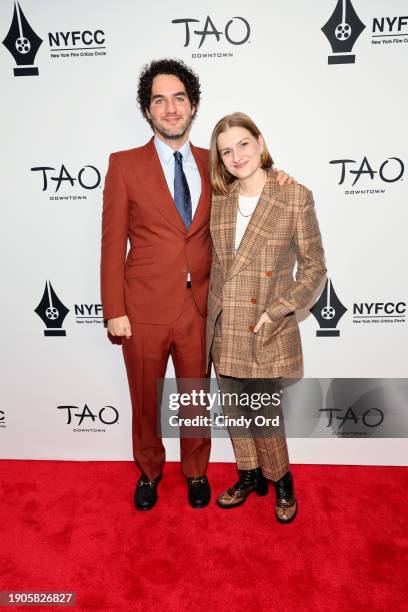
[(259, 231)]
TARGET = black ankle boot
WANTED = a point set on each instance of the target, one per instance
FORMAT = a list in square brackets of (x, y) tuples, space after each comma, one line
[(286, 503), (249, 481)]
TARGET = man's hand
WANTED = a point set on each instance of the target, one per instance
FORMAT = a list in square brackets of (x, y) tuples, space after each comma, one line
[(262, 320), (120, 327), (283, 178)]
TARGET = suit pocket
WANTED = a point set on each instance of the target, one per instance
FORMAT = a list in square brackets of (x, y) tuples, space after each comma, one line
[(270, 331), (141, 262), (141, 255)]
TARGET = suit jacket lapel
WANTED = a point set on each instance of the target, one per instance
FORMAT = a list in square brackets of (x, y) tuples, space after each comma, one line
[(152, 178), (203, 209), (259, 228)]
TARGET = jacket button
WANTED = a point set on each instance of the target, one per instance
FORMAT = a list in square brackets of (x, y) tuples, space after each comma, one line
[(253, 301), (268, 273), (251, 328), (187, 240)]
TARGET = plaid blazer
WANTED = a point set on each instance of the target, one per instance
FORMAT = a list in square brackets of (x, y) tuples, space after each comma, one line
[(282, 231)]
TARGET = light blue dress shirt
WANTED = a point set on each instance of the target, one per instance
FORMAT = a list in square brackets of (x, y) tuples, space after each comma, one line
[(166, 156)]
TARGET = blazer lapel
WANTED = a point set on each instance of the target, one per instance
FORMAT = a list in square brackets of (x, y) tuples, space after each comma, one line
[(223, 230), (203, 209), (152, 178), (259, 228)]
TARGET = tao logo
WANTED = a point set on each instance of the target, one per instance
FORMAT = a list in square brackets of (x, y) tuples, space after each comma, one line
[(209, 29), (390, 171), (372, 417), (88, 177), (108, 415)]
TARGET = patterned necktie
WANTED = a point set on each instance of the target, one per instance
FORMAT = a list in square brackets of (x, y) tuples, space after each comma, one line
[(182, 196)]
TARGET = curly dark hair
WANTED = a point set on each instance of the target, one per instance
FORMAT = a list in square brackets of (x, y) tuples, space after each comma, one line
[(167, 66)]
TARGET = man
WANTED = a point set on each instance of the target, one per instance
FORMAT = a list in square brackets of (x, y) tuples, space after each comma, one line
[(158, 197)]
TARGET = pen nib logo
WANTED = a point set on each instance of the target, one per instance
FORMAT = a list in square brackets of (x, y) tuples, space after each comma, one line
[(328, 311), (52, 311), (23, 43), (342, 30)]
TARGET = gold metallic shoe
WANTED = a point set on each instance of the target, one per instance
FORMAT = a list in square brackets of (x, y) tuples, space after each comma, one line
[(286, 503), (249, 480)]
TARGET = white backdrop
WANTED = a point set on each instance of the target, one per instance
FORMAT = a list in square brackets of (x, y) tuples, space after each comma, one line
[(81, 106)]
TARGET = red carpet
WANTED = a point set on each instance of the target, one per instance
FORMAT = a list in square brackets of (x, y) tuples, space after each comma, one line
[(69, 526)]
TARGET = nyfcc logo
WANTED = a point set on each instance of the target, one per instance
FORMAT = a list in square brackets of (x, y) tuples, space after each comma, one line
[(390, 30), (385, 312), (77, 43), (342, 31), (344, 27), (328, 310), (52, 311), (23, 43)]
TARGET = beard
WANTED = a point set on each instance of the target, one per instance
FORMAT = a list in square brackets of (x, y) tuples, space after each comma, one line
[(181, 131)]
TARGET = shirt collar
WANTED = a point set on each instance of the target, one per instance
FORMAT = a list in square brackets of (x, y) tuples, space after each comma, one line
[(166, 153)]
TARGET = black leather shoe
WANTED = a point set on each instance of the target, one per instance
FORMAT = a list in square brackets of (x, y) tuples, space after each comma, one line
[(286, 503), (249, 481), (199, 491), (146, 492)]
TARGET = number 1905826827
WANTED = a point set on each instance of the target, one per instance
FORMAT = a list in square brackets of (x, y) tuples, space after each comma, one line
[(37, 598)]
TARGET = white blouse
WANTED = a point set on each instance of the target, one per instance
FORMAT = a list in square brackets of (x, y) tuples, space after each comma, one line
[(246, 207)]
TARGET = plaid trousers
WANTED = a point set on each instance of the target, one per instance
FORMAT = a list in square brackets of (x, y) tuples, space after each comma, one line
[(255, 446)]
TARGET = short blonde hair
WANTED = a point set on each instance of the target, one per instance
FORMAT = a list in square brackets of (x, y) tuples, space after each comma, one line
[(219, 175)]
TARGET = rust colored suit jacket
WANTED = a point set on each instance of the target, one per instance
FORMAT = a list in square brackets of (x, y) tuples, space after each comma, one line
[(149, 283), (282, 231)]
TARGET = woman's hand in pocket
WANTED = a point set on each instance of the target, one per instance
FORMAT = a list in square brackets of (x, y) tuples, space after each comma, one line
[(262, 320)]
